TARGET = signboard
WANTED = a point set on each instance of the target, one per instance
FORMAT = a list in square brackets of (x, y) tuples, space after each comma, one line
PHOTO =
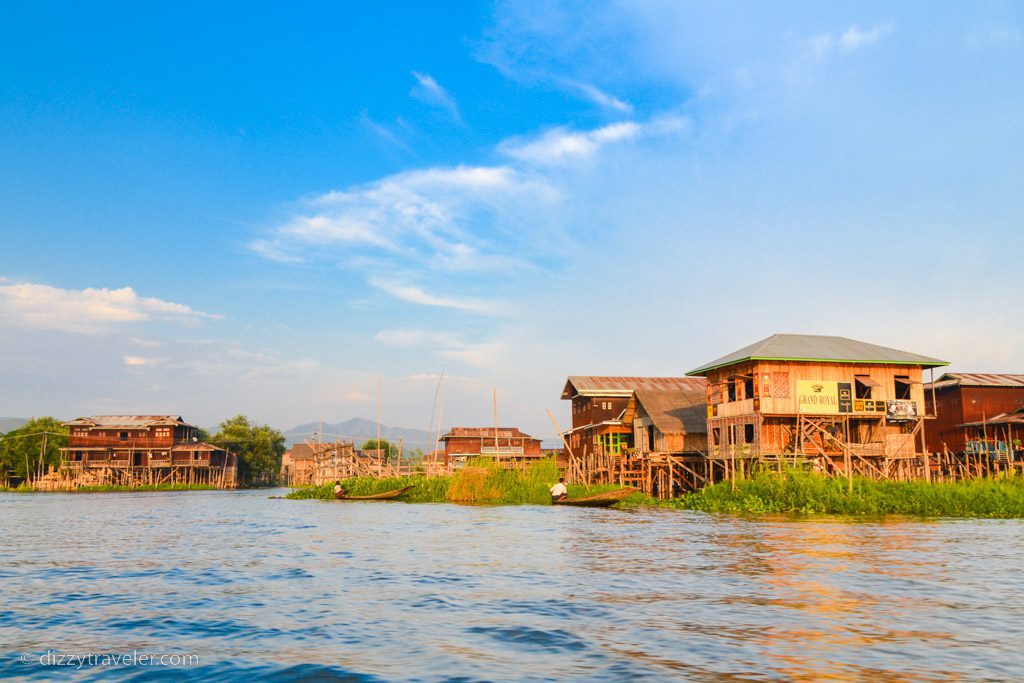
[(845, 397), (817, 397), (900, 410), (866, 405), (821, 397)]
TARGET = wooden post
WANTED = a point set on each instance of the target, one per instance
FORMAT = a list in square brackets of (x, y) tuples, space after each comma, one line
[(380, 459), (494, 398)]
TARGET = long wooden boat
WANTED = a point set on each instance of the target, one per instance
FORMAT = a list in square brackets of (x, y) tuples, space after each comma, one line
[(386, 495), (598, 500)]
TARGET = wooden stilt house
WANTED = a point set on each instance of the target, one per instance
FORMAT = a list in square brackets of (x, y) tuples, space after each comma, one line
[(137, 450), (965, 402), (669, 439), (831, 403), (600, 437)]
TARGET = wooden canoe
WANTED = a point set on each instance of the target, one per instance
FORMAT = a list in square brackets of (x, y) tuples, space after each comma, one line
[(387, 495), (598, 500)]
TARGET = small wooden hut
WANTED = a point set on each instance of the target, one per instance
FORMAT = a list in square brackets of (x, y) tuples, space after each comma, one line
[(298, 465), (669, 438)]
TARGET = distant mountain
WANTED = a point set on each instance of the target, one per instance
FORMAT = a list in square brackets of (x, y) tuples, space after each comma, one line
[(10, 423), (359, 430)]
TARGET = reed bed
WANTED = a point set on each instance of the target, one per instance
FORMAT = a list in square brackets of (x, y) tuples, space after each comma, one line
[(481, 482), (806, 493)]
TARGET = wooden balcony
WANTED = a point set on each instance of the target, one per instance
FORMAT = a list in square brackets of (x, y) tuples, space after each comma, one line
[(115, 442)]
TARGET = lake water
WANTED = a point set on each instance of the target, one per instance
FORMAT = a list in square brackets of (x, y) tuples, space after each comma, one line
[(266, 589)]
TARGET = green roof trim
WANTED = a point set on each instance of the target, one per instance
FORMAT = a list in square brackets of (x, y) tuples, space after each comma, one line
[(818, 349)]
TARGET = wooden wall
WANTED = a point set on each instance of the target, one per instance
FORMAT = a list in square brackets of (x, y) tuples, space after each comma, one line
[(776, 384)]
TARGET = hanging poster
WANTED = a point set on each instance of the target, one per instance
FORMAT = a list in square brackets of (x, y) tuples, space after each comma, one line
[(900, 410)]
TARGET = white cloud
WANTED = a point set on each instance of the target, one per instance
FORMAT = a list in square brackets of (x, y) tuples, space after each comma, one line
[(416, 295), (561, 145), (471, 221), (443, 217), (851, 39), (994, 37), (86, 311), (854, 37), (142, 361), (386, 133), (429, 91), (599, 97), (486, 354)]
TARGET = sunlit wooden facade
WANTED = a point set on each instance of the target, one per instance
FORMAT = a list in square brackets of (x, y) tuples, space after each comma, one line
[(141, 450), (840, 404)]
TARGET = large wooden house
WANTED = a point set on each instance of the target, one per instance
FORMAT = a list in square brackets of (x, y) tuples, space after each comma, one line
[(135, 450), (504, 444), (975, 412), (845, 405)]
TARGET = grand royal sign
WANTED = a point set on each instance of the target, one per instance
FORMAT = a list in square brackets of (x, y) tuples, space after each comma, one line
[(824, 398)]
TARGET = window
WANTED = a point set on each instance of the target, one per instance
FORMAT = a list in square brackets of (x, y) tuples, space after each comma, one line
[(902, 387), (863, 385), (123, 436), (748, 387), (748, 433), (732, 390)]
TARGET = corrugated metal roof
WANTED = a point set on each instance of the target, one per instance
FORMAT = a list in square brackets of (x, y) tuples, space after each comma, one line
[(593, 385), (485, 433), (128, 421), (978, 379), (812, 347), (195, 447), (1011, 418)]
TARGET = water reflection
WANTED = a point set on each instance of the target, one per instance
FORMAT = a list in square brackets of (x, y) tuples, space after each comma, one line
[(264, 588)]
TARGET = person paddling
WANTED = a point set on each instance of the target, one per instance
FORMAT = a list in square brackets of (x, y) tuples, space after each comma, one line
[(559, 491), (338, 490)]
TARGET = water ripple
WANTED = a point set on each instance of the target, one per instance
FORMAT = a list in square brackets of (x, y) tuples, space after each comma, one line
[(262, 589)]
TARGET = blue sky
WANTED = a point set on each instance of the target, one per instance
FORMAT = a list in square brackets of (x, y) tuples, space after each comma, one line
[(257, 208)]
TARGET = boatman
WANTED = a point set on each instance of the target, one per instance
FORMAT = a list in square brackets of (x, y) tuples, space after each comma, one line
[(338, 490), (558, 491)]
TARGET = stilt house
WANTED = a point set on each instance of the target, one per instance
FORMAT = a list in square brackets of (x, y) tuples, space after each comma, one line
[(502, 444), (974, 411), (135, 450), (601, 439), (836, 402), (297, 465)]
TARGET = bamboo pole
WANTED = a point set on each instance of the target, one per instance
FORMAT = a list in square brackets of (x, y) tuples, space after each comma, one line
[(494, 398)]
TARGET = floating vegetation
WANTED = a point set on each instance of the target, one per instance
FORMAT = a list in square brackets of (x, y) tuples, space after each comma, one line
[(806, 493), (481, 482)]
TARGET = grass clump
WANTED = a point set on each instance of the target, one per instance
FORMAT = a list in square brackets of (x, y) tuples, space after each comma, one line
[(807, 493), (425, 489), (482, 482)]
